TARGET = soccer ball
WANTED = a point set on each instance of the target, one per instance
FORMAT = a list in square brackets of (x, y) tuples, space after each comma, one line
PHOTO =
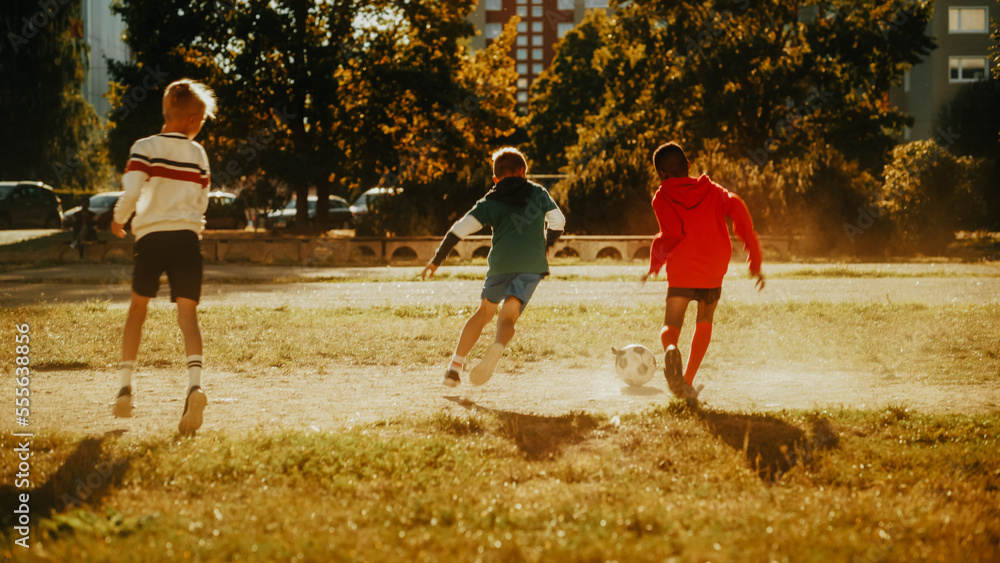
[(635, 364)]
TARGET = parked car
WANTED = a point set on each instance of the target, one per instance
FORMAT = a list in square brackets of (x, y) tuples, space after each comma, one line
[(29, 204), (103, 206), (225, 211), (340, 213), (360, 205)]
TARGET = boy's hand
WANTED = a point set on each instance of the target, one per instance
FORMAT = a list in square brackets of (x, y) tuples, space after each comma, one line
[(429, 270), (759, 284), (117, 229)]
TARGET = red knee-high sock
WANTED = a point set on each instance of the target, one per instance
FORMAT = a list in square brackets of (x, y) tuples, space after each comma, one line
[(669, 335), (699, 345)]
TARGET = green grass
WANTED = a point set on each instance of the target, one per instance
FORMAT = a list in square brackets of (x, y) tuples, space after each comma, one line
[(667, 484), (893, 342)]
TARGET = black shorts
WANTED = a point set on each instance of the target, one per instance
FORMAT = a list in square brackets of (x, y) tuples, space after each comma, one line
[(178, 253), (708, 296)]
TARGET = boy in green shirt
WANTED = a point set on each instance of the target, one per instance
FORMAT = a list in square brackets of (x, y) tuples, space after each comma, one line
[(520, 212)]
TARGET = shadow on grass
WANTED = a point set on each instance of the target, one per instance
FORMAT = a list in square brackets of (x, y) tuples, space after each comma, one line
[(771, 445), (84, 478), (537, 437)]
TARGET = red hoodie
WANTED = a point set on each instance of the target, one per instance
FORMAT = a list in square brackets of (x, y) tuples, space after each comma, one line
[(694, 240)]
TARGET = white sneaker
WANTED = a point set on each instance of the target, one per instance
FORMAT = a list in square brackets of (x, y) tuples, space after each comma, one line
[(451, 378), (194, 407), (123, 404), (484, 370)]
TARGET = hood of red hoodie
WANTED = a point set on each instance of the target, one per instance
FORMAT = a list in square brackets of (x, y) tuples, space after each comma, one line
[(688, 192)]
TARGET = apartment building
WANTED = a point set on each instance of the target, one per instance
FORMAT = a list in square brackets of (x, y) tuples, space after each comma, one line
[(962, 31), (543, 23)]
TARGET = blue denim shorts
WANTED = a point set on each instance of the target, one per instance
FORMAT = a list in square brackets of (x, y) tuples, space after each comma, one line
[(521, 286)]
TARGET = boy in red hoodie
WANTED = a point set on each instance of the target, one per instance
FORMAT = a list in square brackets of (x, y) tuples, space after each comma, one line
[(694, 243)]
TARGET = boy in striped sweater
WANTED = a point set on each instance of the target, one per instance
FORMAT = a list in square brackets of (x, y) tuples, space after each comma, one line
[(166, 183)]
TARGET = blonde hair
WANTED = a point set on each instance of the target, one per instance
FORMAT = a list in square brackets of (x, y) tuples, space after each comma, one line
[(189, 97), (508, 161)]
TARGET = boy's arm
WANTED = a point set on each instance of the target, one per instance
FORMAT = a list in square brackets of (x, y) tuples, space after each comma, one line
[(136, 174), (743, 225), (461, 229), (671, 233), (555, 224)]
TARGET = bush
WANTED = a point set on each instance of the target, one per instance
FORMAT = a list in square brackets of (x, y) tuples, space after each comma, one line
[(929, 194)]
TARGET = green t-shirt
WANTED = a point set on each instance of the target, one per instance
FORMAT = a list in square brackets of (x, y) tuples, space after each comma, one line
[(518, 233)]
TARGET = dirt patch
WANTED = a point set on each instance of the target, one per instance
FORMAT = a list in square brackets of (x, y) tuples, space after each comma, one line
[(79, 401)]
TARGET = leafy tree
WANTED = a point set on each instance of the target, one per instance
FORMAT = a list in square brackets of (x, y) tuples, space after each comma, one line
[(749, 75), (564, 96), (51, 133), (973, 117)]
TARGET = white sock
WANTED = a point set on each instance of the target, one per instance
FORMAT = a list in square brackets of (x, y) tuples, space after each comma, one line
[(194, 371), (125, 374), (456, 363)]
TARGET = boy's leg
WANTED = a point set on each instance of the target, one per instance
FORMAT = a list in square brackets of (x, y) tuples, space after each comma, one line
[(470, 335), (673, 320), (195, 401), (701, 339), (131, 337), (509, 313)]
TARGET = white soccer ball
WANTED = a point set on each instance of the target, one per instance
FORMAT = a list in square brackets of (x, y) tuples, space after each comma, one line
[(635, 364)]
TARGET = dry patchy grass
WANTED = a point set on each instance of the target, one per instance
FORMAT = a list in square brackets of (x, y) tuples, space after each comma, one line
[(668, 484)]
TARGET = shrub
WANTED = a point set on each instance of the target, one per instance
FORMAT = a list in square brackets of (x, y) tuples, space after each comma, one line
[(929, 193)]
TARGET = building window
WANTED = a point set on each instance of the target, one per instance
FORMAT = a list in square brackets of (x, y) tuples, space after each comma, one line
[(522, 83), (494, 5), (566, 5), (522, 97), (906, 82), (536, 54), (597, 3), (536, 69), (522, 11), (522, 41), (493, 30), (536, 27), (522, 68), (968, 20), (536, 40), (536, 11), (564, 28), (522, 54), (522, 1), (522, 27), (967, 69)]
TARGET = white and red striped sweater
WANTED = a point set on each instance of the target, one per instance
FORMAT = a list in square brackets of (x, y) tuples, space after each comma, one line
[(166, 184)]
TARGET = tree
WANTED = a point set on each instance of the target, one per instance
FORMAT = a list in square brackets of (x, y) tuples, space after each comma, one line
[(749, 75), (51, 133), (564, 96)]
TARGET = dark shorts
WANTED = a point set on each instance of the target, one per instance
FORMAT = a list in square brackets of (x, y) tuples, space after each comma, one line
[(708, 296), (521, 286), (178, 253)]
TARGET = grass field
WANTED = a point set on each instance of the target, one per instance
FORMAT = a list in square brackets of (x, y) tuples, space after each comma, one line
[(669, 482)]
